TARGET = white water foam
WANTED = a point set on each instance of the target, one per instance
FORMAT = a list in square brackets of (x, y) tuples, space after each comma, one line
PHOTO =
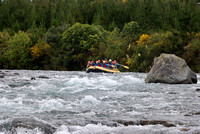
[(20, 130), (51, 104), (89, 101), (62, 130), (79, 81), (102, 129), (130, 79), (78, 84)]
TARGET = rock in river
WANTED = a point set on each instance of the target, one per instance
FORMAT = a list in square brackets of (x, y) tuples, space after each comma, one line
[(170, 69), (31, 124)]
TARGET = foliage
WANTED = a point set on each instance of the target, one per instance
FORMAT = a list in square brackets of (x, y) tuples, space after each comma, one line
[(77, 40), (192, 54), (39, 49), (4, 37), (133, 32), (131, 29), (54, 34), (18, 52), (152, 46), (144, 40), (115, 46)]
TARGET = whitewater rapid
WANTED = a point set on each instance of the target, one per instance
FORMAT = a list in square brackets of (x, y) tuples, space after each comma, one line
[(62, 102)]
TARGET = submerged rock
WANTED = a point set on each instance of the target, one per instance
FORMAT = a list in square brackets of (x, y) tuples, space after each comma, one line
[(43, 77), (33, 78), (198, 90), (32, 124), (146, 122), (16, 74), (170, 69), (1, 75)]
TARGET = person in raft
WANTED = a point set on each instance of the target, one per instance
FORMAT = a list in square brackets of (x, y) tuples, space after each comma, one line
[(92, 63), (88, 65), (105, 65), (99, 64), (110, 63), (115, 64)]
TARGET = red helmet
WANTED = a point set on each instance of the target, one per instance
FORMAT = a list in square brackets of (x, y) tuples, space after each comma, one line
[(99, 61), (92, 61), (88, 62), (115, 61)]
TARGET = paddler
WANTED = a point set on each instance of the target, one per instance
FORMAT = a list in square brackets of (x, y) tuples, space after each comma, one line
[(100, 64), (92, 63), (96, 63), (105, 65), (110, 63), (88, 65), (115, 63)]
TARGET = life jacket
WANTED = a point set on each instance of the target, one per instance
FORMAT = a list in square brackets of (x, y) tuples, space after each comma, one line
[(88, 65), (110, 65), (100, 65), (105, 65), (92, 64)]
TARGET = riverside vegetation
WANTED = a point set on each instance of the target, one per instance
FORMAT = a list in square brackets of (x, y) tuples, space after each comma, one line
[(65, 34)]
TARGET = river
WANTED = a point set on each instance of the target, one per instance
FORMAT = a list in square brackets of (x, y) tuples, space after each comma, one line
[(62, 102)]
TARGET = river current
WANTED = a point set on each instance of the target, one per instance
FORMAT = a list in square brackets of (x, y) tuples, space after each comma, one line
[(62, 102)]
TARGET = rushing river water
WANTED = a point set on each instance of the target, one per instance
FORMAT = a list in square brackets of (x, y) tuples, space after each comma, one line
[(61, 102)]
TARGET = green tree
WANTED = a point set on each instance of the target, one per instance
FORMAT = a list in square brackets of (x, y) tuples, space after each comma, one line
[(18, 52), (77, 41)]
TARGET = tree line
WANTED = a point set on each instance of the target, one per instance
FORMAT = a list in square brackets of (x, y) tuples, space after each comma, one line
[(65, 34)]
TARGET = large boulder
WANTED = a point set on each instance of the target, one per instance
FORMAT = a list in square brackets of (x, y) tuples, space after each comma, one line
[(168, 68)]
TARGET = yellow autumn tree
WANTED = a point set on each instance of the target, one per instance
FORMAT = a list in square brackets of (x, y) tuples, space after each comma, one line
[(39, 49), (124, 1), (144, 40)]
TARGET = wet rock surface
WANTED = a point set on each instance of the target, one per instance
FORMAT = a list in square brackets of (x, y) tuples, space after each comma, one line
[(43, 77), (146, 122), (198, 90), (31, 124), (170, 69)]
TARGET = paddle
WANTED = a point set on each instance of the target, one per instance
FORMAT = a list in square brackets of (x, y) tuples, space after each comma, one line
[(123, 66)]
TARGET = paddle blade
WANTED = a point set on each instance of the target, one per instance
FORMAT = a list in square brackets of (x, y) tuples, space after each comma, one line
[(126, 67)]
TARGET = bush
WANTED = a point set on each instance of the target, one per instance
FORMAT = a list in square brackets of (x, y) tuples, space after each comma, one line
[(54, 34), (192, 55), (18, 52), (149, 47), (4, 37), (131, 30), (77, 42)]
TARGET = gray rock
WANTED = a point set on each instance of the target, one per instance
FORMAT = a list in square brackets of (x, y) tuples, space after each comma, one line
[(32, 124), (198, 90), (170, 69), (33, 78)]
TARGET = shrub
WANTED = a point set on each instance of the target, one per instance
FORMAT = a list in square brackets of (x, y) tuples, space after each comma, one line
[(131, 30), (77, 42), (18, 52), (192, 55), (39, 50)]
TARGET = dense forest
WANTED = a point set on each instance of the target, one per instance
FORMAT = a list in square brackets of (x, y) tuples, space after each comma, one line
[(65, 34)]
